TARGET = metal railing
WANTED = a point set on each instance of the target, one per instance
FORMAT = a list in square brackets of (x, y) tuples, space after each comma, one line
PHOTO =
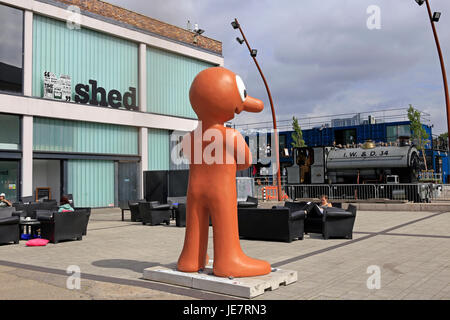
[(265, 181), (430, 176), (421, 192)]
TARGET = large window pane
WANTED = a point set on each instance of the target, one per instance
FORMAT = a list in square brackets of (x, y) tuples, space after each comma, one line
[(9, 179), (391, 133), (9, 132), (11, 49), (404, 131), (394, 132)]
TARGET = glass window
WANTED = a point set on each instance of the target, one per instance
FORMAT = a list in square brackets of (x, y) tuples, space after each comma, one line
[(11, 49), (404, 131), (9, 132), (344, 137), (394, 132), (282, 142), (9, 179)]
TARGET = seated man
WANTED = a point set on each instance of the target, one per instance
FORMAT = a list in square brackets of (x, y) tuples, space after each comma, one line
[(323, 205), (3, 202)]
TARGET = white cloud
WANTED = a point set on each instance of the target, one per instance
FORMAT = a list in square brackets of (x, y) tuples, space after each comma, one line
[(320, 57)]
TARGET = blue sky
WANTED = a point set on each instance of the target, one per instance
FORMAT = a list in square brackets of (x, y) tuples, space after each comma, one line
[(319, 57)]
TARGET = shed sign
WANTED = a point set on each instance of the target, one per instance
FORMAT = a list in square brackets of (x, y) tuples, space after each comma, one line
[(60, 88)]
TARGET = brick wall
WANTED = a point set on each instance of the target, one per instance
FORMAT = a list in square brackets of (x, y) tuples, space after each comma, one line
[(145, 23)]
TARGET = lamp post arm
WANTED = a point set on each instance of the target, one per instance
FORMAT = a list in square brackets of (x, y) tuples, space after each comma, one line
[(441, 59), (277, 151)]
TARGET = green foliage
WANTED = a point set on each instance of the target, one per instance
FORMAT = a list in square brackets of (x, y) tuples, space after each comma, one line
[(297, 136), (419, 135), (444, 136)]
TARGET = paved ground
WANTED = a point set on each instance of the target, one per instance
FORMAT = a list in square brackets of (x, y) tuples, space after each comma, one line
[(411, 250)]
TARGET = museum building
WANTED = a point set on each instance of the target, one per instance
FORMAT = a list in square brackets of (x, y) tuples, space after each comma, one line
[(90, 101)]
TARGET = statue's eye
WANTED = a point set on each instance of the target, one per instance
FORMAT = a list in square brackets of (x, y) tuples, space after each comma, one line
[(241, 88)]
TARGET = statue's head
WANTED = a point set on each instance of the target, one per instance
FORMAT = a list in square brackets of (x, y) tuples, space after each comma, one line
[(217, 93)]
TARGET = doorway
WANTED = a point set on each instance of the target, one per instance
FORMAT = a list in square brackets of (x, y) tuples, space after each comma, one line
[(47, 174), (127, 183)]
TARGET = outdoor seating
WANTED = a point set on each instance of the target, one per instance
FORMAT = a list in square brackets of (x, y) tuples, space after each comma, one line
[(276, 224), (86, 212), (29, 210), (251, 202), (154, 213), (9, 226), (62, 226), (134, 210), (124, 205), (180, 215), (334, 222), (339, 223)]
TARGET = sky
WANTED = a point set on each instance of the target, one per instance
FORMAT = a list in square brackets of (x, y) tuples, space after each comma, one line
[(320, 57)]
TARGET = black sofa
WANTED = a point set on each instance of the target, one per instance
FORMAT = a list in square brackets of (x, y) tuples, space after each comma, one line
[(154, 213), (251, 202), (63, 226), (334, 222), (277, 224), (9, 226), (29, 210)]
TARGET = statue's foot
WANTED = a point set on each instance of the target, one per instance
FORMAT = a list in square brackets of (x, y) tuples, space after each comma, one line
[(241, 266), (191, 264)]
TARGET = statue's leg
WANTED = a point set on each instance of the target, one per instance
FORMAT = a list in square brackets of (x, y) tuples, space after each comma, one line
[(229, 259), (194, 257)]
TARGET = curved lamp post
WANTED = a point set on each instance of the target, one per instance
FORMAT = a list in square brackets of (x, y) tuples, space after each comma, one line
[(435, 18), (253, 52)]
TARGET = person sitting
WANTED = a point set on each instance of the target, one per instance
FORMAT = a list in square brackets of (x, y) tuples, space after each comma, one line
[(324, 202), (3, 202), (64, 205)]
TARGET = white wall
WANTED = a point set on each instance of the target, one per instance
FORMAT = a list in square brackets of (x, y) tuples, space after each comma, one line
[(46, 174)]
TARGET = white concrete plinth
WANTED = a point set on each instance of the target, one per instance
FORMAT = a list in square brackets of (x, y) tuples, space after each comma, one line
[(240, 287)]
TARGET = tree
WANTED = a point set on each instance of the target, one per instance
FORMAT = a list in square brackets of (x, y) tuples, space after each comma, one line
[(419, 135), (297, 136)]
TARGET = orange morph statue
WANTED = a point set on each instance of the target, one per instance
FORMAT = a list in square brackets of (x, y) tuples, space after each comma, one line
[(216, 95)]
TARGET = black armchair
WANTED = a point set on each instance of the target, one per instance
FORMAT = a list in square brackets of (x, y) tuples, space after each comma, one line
[(251, 202), (154, 213), (9, 226), (278, 223), (86, 212), (180, 215), (333, 222), (338, 223), (62, 226), (134, 210)]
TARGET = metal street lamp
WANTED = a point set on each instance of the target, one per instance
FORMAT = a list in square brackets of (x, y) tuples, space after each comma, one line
[(435, 18), (253, 52)]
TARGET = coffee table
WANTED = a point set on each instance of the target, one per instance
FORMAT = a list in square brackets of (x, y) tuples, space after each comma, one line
[(29, 226)]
